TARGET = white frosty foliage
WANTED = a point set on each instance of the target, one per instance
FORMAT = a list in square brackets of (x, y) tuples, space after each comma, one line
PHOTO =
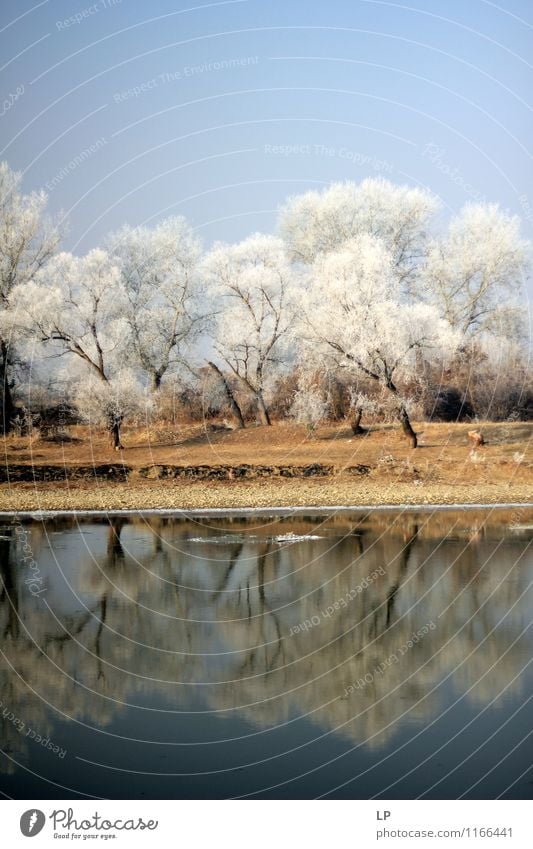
[(78, 306), (354, 314), (360, 401), (101, 402), (360, 285), (309, 407), (475, 272), (251, 283), (320, 222), (27, 239), (159, 272)]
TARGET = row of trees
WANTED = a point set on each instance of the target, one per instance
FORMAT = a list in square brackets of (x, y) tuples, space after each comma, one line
[(363, 283)]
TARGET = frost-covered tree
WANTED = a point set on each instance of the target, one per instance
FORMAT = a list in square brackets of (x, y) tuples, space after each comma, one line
[(475, 272), (319, 222), (354, 316), (159, 270), (77, 306), (251, 284), (309, 406), (28, 240), (109, 402)]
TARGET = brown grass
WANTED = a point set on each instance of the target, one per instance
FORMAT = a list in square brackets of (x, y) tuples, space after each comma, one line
[(442, 447), (444, 469)]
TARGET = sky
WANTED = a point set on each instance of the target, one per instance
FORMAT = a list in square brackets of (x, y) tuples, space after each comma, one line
[(128, 112)]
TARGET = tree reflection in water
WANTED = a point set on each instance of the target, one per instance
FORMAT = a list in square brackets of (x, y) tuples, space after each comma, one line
[(177, 615)]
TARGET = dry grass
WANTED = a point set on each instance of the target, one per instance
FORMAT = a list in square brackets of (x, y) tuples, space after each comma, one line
[(444, 469), (442, 446)]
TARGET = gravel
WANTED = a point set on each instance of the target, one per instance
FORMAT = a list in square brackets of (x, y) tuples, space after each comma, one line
[(257, 493)]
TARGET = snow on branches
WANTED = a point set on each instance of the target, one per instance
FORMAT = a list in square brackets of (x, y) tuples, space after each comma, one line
[(362, 281), (159, 274), (251, 284)]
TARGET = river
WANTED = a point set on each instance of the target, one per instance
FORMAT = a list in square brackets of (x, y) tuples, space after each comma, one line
[(371, 654)]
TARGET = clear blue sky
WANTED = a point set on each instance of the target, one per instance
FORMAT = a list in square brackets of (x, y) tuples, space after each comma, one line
[(434, 93)]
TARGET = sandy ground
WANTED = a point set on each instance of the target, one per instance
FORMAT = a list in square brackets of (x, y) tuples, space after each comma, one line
[(444, 470)]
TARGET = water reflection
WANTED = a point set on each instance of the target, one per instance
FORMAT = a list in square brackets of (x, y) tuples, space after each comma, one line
[(352, 628)]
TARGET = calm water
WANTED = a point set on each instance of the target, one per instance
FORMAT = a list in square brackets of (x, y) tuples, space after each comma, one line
[(353, 656)]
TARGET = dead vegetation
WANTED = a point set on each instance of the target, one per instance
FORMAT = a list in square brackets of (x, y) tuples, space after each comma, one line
[(259, 466)]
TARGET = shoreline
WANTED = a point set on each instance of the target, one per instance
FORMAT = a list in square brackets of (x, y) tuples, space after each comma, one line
[(277, 468), (232, 497), (262, 511)]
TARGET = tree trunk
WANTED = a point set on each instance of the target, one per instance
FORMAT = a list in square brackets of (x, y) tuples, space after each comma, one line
[(234, 407), (262, 411), (7, 410), (357, 429), (402, 414), (114, 432), (407, 428)]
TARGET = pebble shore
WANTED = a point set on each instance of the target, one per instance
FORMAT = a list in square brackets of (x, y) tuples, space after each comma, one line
[(252, 494)]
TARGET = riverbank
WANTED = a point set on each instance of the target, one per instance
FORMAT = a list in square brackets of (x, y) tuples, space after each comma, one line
[(255, 494), (197, 468)]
